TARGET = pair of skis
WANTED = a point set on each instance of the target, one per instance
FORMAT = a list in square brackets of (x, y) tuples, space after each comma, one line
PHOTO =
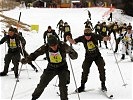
[(105, 93)]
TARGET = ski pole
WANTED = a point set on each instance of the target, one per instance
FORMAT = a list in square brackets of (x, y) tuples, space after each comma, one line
[(37, 65), (19, 20), (73, 75), (16, 82), (56, 82), (124, 84), (28, 72)]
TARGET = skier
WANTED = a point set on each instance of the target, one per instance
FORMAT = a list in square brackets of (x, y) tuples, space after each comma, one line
[(88, 24), (110, 17), (122, 28), (56, 55), (47, 33), (60, 24), (24, 52), (113, 29), (67, 31), (89, 14), (103, 32), (126, 43), (89, 41), (97, 29), (14, 48)]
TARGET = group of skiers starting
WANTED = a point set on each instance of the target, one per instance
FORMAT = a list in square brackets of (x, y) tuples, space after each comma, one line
[(56, 51)]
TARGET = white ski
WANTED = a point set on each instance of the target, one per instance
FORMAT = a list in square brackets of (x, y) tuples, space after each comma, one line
[(107, 94), (81, 92)]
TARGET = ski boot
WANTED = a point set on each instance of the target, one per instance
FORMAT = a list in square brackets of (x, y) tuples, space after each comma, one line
[(123, 56), (16, 75), (80, 89), (3, 74), (103, 87), (106, 47), (36, 70), (12, 69), (33, 98), (131, 59)]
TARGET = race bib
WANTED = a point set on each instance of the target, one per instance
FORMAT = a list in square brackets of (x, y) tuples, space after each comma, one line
[(55, 57), (91, 46), (115, 27), (98, 27), (12, 43), (67, 29), (48, 34), (126, 38), (104, 29)]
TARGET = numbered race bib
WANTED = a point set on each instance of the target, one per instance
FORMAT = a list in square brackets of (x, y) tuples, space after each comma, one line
[(12, 43), (55, 57), (67, 29), (91, 46), (98, 27), (48, 34), (104, 29), (115, 27)]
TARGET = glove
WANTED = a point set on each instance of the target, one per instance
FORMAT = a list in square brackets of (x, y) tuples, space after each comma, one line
[(24, 61)]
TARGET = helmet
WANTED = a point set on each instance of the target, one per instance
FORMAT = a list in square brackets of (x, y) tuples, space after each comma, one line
[(52, 40), (65, 23), (87, 31), (11, 29), (49, 27)]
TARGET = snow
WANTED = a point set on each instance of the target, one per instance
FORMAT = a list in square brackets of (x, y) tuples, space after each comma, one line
[(75, 17)]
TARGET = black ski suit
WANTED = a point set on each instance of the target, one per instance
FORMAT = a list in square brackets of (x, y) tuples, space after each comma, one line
[(14, 49), (92, 54), (57, 65), (48, 33)]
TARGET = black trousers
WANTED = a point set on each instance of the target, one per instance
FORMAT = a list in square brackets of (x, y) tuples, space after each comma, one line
[(86, 68), (47, 76), (15, 58)]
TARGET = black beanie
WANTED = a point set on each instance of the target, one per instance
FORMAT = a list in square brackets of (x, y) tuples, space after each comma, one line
[(11, 29), (52, 40)]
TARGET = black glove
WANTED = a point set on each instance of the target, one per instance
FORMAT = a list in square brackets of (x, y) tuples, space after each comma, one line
[(24, 61)]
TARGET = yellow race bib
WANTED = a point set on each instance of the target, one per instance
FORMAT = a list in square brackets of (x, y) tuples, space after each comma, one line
[(55, 57), (91, 46), (12, 43)]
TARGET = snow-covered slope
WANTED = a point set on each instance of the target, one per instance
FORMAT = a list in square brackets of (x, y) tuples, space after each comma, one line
[(75, 18)]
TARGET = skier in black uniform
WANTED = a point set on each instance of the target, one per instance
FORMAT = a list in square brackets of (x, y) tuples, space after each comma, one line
[(24, 52), (89, 41), (110, 17), (67, 31), (88, 24), (15, 44), (103, 31), (89, 14), (60, 24), (56, 55), (47, 33)]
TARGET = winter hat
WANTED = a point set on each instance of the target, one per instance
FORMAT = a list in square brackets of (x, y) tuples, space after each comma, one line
[(11, 29), (87, 31), (52, 40), (49, 27)]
